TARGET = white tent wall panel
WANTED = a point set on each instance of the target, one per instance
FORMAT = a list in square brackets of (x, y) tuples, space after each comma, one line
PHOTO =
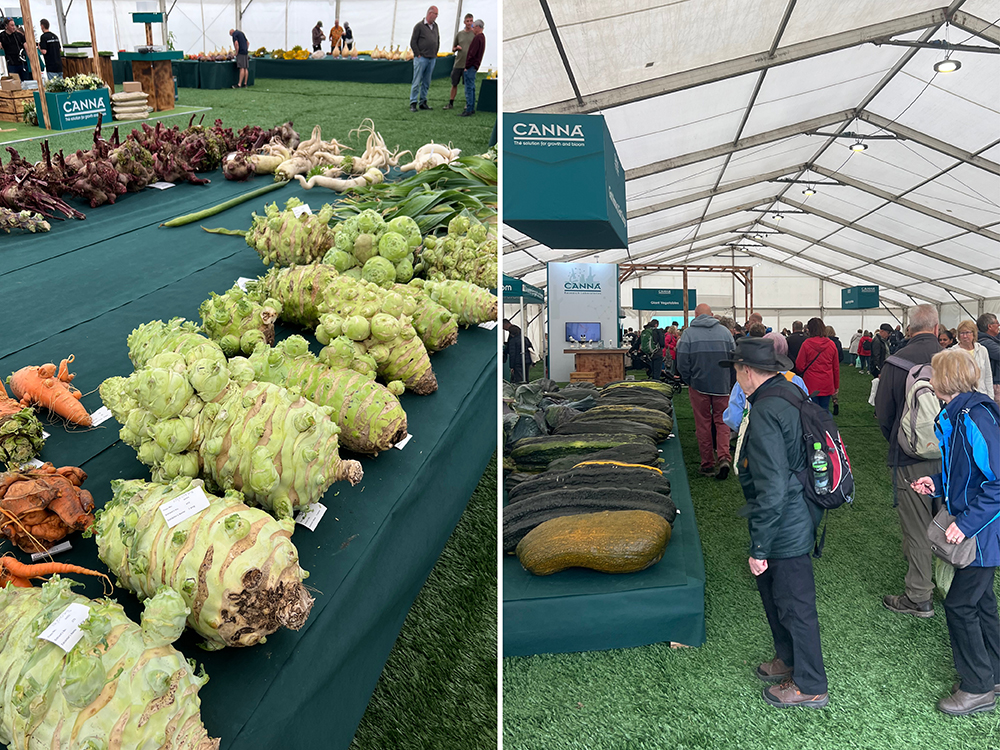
[(673, 36), (974, 249), (668, 129), (977, 284), (818, 86), (663, 186), (811, 20)]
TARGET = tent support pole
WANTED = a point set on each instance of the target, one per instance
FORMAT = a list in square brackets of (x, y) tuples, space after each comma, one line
[(961, 305), (93, 39), (524, 354), (61, 20), (684, 294), (458, 20), (36, 71)]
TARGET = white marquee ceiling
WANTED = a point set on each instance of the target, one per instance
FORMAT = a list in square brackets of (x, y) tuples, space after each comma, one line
[(715, 105)]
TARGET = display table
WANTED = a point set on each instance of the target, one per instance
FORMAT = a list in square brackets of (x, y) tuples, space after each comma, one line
[(75, 65), (223, 75), (362, 70), (487, 101), (609, 364), (583, 610), (101, 278), (154, 71)]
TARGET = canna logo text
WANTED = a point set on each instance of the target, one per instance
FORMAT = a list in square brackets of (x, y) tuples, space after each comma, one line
[(534, 134)]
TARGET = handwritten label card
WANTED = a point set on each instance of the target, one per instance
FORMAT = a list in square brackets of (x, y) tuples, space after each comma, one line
[(402, 443), (182, 507), (303, 209), (65, 629), (311, 518)]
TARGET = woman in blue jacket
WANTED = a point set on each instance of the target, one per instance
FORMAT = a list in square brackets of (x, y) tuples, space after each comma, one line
[(968, 429)]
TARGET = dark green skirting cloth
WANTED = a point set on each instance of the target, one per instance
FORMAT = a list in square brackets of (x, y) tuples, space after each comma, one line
[(583, 610), (85, 286), (362, 70)]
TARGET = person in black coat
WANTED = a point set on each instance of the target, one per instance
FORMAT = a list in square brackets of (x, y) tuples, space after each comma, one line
[(782, 524)]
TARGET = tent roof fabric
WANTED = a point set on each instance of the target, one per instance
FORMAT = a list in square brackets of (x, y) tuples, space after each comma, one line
[(724, 111)]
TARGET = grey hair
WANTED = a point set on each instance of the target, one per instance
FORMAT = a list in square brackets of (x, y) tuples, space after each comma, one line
[(985, 320), (923, 318)]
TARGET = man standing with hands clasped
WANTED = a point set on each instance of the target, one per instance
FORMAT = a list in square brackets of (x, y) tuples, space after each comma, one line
[(782, 522), (425, 42)]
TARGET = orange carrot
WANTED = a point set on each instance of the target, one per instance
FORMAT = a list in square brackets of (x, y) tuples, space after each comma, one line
[(19, 573), (43, 386), (8, 405)]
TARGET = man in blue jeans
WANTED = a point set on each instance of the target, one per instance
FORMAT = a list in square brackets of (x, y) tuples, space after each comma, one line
[(473, 60), (425, 42)]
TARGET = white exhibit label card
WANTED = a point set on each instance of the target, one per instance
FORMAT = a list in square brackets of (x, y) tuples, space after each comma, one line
[(241, 282), (162, 185), (489, 325), (61, 547), (402, 443), (32, 464), (65, 629), (303, 209), (182, 507), (100, 416), (311, 518), (45, 435)]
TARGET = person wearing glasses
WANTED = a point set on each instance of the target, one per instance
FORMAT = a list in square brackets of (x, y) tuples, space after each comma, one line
[(968, 341)]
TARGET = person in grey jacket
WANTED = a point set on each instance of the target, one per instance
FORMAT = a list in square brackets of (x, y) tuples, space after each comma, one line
[(702, 346), (989, 337), (782, 525), (424, 42)]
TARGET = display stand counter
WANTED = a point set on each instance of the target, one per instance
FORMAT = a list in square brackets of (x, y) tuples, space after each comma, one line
[(362, 70), (155, 72), (607, 364), (487, 101)]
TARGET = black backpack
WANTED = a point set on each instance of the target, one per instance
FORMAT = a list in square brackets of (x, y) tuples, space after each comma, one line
[(818, 427)]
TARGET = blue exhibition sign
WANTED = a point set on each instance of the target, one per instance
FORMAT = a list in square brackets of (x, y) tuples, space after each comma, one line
[(663, 299), (859, 297)]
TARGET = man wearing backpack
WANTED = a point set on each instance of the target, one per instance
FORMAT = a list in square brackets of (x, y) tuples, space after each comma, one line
[(915, 510), (651, 343), (770, 455)]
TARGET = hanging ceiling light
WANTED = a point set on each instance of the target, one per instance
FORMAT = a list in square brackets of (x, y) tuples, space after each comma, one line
[(947, 66), (859, 147), (809, 191)]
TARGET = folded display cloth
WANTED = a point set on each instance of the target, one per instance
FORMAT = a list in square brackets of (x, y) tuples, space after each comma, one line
[(131, 96)]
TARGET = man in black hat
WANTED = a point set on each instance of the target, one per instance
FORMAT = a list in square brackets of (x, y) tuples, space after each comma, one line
[(769, 453)]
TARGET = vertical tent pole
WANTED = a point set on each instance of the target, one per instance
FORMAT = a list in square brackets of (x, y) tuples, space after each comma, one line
[(524, 354), (286, 23), (61, 19), (93, 37), (392, 34), (163, 26), (239, 15), (685, 295), (458, 20), (336, 10), (36, 71), (118, 34)]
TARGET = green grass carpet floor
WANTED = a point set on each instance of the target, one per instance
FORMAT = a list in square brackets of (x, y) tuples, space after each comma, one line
[(426, 698), (338, 107), (886, 671)]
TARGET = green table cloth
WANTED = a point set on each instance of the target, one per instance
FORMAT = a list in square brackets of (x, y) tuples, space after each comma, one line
[(187, 73), (83, 287), (487, 101), (223, 75), (363, 70), (583, 610)]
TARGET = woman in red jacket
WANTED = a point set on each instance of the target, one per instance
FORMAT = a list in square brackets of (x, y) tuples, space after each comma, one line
[(864, 351), (818, 364)]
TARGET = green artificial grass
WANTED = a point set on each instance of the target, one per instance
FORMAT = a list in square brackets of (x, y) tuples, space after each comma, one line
[(338, 107), (886, 671), (438, 688)]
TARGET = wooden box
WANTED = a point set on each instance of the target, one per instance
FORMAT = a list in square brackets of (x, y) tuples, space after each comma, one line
[(12, 104)]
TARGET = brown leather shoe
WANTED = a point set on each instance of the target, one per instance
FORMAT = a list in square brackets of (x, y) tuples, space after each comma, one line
[(906, 606), (961, 703), (774, 671), (788, 695), (957, 685)]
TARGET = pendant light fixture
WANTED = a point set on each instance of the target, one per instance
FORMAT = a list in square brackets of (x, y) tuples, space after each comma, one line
[(947, 66), (858, 147)]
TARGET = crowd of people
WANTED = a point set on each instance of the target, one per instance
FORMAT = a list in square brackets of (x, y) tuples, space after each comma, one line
[(341, 37), (956, 468)]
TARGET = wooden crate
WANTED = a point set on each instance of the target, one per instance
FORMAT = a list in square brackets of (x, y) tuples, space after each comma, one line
[(583, 377), (12, 104)]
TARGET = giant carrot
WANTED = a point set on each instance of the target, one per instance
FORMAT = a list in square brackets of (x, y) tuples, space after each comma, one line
[(44, 386), (20, 573)]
